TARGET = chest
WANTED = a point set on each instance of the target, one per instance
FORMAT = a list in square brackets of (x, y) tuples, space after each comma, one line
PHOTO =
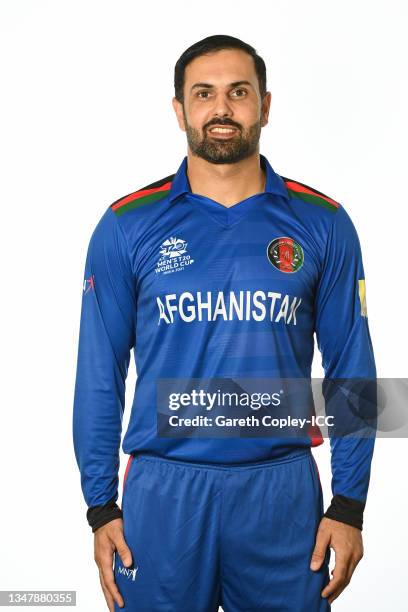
[(262, 265)]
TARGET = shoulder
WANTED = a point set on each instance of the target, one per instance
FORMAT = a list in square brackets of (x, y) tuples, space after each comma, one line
[(324, 217), (311, 196), (125, 221), (143, 198)]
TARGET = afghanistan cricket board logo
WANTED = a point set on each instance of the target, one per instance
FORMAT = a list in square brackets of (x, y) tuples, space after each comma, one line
[(285, 254)]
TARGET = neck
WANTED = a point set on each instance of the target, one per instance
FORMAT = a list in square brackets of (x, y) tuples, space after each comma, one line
[(227, 184)]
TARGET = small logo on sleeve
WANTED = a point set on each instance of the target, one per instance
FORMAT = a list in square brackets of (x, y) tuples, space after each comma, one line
[(362, 295), (285, 254), (89, 284)]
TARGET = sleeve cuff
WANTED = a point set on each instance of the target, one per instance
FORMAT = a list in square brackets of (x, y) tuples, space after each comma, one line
[(346, 510), (100, 515)]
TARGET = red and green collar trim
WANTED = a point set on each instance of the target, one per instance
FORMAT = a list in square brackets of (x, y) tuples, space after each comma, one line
[(173, 185), (309, 194), (146, 195)]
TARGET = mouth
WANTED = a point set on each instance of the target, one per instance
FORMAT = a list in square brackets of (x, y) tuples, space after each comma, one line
[(222, 131)]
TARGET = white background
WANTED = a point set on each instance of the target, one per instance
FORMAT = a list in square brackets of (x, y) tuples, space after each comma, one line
[(86, 118)]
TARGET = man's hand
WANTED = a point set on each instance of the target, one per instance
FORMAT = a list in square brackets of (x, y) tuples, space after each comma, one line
[(109, 538), (347, 543)]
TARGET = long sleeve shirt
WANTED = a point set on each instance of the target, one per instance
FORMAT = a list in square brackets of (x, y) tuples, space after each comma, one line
[(199, 290)]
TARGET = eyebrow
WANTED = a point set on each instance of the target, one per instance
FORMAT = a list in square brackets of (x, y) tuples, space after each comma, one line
[(209, 86)]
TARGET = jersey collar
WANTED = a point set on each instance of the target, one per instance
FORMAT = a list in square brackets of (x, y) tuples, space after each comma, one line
[(274, 183)]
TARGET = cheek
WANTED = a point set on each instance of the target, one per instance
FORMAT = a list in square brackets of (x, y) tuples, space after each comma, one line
[(254, 115), (197, 113), (197, 118), (246, 115)]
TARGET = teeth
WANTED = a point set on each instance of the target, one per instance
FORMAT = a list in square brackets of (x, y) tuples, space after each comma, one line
[(222, 130)]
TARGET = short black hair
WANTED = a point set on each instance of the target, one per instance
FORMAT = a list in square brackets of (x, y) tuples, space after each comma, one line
[(212, 44)]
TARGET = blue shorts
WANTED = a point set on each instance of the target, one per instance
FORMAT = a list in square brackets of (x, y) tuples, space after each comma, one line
[(209, 535)]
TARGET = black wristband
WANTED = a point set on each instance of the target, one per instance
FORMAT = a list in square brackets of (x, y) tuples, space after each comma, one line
[(346, 510), (100, 515)]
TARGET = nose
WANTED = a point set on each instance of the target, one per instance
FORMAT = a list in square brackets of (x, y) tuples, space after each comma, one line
[(222, 107)]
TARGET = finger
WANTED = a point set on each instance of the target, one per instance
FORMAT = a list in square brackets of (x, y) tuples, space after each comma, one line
[(319, 551), (110, 584), (108, 596), (109, 581), (336, 594), (123, 550), (340, 577), (341, 589), (355, 560)]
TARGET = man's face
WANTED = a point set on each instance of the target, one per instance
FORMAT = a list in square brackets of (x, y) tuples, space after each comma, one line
[(222, 113)]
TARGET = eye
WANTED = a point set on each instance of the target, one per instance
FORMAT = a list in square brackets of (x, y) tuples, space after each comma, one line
[(203, 93), (241, 92)]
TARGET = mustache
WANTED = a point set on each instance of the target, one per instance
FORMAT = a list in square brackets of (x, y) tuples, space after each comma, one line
[(223, 122)]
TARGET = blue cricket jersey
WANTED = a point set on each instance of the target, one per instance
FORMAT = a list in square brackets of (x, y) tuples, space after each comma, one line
[(201, 290)]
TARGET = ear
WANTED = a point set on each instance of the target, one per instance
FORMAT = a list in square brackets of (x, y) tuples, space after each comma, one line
[(178, 109), (266, 105)]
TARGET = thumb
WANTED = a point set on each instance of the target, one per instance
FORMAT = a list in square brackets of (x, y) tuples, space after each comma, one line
[(124, 551), (319, 552)]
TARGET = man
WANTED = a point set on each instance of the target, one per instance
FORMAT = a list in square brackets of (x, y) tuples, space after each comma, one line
[(224, 269)]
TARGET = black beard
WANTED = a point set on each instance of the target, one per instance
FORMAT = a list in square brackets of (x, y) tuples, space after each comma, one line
[(243, 145)]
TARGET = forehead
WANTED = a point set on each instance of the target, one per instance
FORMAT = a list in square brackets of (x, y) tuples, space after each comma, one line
[(220, 68)]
